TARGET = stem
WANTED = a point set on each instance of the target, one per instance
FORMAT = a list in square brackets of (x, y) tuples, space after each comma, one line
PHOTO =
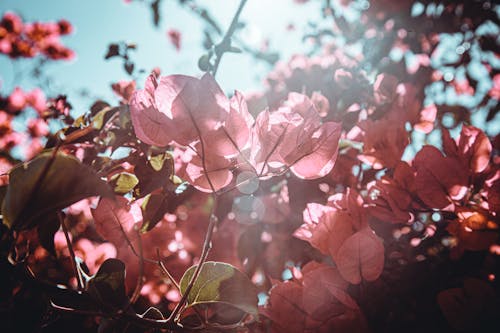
[(166, 272), (207, 245), (140, 278), (227, 37), (71, 252)]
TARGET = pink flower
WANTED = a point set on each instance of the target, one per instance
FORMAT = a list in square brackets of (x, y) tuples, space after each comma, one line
[(12, 23), (196, 113), (65, 27), (36, 99), (427, 118), (441, 181), (384, 142), (293, 136), (391, 199), (321, 103), (315, 300), (16, 100), (325, 228), (495, 90), (37, 127), (124, 89), (175, 38)]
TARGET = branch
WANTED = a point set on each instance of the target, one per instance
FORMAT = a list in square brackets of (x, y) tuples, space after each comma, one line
[(225, 44), (207, 245), (72, 255), (140, 278), (166, 272)]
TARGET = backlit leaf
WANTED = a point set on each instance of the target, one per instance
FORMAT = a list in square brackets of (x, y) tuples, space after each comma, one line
[(124, 182), (114, 220), (221, 282), (361, 256)]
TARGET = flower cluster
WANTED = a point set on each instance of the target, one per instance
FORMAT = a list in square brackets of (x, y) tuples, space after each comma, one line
[(27, 40), (221, 133)]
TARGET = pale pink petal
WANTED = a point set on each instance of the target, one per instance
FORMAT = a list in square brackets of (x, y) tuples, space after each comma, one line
[(217, 173), (321, 159)]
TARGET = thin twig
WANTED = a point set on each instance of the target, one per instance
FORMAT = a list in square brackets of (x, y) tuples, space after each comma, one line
[(72, 255), (166, 272), (207, 245), (140, 278), (278, 142), (227, 37)]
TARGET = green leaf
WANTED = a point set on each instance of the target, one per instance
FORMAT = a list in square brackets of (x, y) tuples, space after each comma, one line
[(108, 284), (99, 119), (204, 63), (123, 182), (46, 184), (157, 161), (154, 207), (221, 283)]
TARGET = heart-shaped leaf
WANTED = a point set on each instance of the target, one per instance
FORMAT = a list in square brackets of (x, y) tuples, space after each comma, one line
[(221, 283), (115, 219), (107, 286), (361, 256), (45, 184)]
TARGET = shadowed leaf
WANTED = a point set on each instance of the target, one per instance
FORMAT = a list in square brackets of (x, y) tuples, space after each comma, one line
[(108, 284), (361, 256), (36, 190)]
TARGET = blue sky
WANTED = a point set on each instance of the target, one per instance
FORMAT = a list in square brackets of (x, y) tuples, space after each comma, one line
[(98, 23)]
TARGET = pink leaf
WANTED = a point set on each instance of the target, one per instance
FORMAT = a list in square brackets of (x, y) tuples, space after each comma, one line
[(286, 309), (325, 228), (361, 257), (214, 172), (476, 148), (150, 125), (319, 161), (293, 136), (115, 220), (439, 178)]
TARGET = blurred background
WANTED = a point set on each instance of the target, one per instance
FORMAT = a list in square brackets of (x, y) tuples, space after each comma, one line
[(269, 26)]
